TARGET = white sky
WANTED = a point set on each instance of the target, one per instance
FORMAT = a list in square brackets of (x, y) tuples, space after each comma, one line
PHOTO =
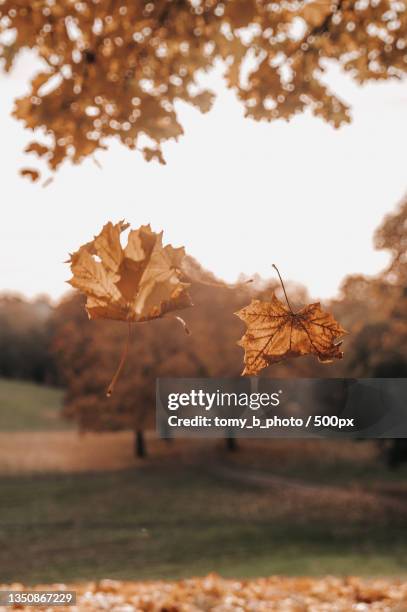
[(239, 195)]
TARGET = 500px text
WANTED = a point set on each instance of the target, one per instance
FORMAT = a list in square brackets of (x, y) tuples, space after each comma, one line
[(256, 423)]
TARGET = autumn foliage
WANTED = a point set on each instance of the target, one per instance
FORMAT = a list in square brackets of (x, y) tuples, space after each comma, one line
[(118, 69), (273, 594)]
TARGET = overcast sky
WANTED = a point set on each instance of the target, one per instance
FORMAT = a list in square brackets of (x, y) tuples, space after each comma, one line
[(239, 195)]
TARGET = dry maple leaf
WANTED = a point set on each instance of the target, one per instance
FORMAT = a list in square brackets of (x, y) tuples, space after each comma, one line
[(275, 332), (139, 282)]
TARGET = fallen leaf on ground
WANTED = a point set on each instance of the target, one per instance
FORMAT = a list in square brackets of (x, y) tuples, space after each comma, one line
[(272, 594)]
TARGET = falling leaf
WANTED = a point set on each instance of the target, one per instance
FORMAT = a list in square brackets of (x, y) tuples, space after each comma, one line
[(275, 332), (30, 173), (137, 283)]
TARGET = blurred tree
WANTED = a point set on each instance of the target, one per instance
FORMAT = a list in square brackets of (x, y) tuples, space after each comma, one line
[(375, 311), (392, 236), (118, 68), (24, 339), (374, 308), (87, 353), (371, 308)]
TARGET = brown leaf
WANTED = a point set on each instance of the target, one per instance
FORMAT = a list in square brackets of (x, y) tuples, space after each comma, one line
[(136, 283), (241, 12), (30, 173), (275, 332), (203, 101), (36, 147), (315, 13), (150, 154)]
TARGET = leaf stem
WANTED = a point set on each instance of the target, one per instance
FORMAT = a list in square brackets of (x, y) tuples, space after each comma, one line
[(123, 358), (184, 325), (282, 284)]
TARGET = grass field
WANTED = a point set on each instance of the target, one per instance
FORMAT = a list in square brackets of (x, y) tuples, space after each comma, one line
[(179, 521), (287, 507), (25, 406)]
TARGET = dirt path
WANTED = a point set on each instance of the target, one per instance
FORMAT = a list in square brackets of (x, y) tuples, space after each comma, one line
[(339, 495), (70, 451), (64, 451)]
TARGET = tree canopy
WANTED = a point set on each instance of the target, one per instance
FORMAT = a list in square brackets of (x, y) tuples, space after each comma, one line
[(116, 68)]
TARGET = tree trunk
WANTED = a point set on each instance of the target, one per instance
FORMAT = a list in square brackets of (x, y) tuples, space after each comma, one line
[(166, 433), (231, 444), (139, 444), (397, 453)]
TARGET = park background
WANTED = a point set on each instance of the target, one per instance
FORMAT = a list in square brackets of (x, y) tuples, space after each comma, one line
[(114, 500), (87, 489)]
